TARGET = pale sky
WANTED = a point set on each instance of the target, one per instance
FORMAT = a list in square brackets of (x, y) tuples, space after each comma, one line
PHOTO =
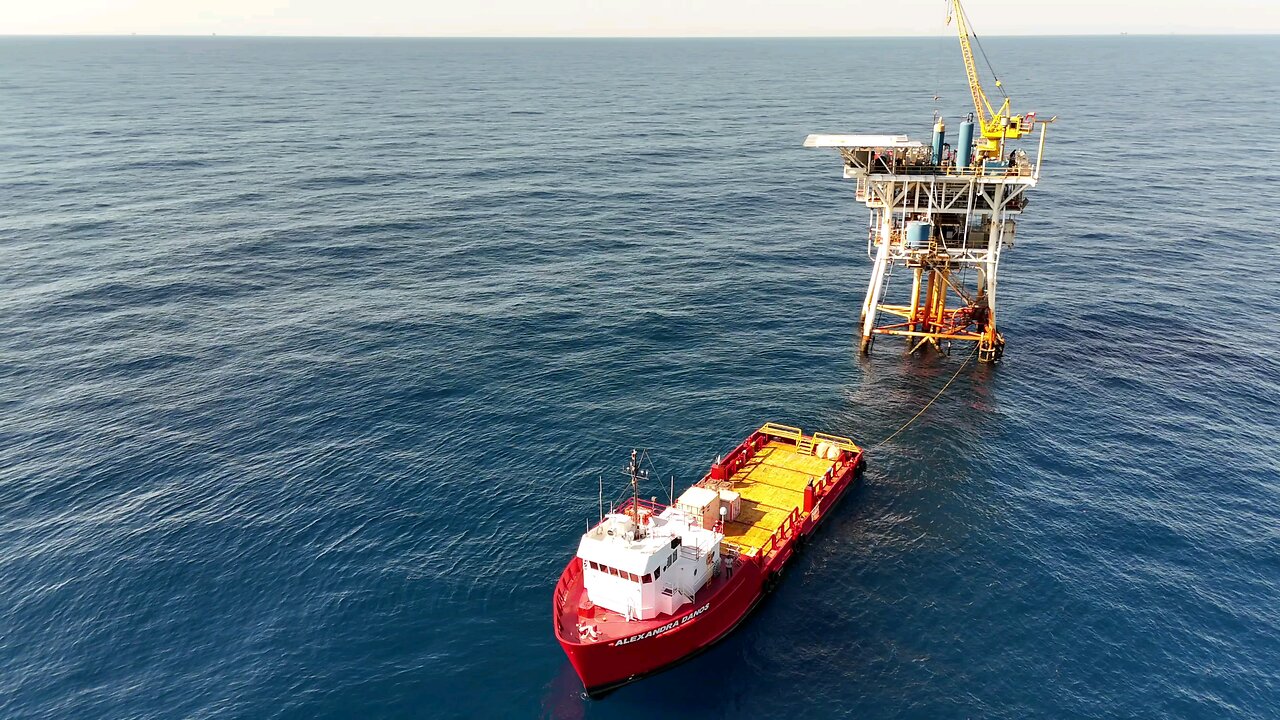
[(595, 18)]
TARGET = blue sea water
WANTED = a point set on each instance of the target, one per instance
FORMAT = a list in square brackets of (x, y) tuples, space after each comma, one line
[(312, 352)]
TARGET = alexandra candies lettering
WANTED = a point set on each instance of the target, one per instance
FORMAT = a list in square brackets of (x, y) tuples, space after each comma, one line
[(664, 628)]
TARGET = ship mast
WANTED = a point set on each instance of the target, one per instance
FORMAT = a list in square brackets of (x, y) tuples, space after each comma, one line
[(636, 474)]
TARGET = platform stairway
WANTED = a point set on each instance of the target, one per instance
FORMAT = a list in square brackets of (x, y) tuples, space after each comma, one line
[(804, 445)]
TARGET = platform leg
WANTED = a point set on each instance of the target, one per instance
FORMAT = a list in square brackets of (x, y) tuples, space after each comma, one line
[(991, 346), (871, 306), (915, 299)]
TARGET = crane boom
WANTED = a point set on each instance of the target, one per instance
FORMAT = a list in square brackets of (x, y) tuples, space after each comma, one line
[(975, 85), (996, 125)]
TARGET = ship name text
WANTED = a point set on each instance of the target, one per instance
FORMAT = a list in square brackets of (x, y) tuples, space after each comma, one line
[(664, 628)]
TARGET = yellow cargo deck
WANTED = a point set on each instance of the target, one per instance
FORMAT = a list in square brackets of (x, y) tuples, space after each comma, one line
[(771, 484)]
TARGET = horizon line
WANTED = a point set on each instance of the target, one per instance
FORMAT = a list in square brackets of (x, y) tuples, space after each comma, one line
[(629, 37)]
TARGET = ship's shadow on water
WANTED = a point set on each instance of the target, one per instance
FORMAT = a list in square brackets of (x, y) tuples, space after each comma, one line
[(563, 698)]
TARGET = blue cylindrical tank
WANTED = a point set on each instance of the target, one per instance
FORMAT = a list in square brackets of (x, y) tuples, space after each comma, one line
[(939, 136), (964, 151), (917, 234)]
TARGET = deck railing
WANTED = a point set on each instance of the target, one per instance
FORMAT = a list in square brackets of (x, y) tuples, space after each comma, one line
[(795, 434), (843, 443), (787, 529), (784, 431), (650, 505), (562, 587)]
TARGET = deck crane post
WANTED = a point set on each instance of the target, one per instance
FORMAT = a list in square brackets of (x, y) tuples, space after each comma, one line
[(944, 216)]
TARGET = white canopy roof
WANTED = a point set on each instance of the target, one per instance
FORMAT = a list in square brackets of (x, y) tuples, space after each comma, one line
[(861, 141), (698, 497)]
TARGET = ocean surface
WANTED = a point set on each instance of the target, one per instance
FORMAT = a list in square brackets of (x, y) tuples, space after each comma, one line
[(312, 352)]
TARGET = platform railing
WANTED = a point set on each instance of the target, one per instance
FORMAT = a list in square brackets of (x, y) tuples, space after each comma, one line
[(973, 171), (898, 166)]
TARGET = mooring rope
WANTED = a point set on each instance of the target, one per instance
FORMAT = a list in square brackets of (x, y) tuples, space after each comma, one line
[(963, 365)]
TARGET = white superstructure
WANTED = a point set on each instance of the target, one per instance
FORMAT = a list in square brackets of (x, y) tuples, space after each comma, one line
[(648, 562)]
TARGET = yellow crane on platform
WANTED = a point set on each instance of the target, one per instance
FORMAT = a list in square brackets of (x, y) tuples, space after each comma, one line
[(996, 125)]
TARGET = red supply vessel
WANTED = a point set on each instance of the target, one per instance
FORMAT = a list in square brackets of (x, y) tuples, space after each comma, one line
[(653, 584)]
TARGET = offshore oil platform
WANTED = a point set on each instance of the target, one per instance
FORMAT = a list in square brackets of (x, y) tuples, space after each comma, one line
[(941, 212)]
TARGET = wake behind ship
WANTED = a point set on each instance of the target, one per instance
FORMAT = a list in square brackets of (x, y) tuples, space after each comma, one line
[(653, 585)]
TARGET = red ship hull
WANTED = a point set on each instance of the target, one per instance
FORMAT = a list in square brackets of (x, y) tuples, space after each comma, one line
[(622, 651), (608, 665)]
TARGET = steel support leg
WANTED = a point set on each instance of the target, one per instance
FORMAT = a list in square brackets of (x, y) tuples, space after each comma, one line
[(991, 346), (915, 299), (872, 304)]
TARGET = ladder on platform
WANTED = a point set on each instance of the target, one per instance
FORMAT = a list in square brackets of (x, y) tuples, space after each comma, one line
[(804, 445)]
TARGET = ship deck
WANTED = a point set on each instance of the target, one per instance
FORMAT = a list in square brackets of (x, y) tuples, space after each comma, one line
[(772, 485)]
